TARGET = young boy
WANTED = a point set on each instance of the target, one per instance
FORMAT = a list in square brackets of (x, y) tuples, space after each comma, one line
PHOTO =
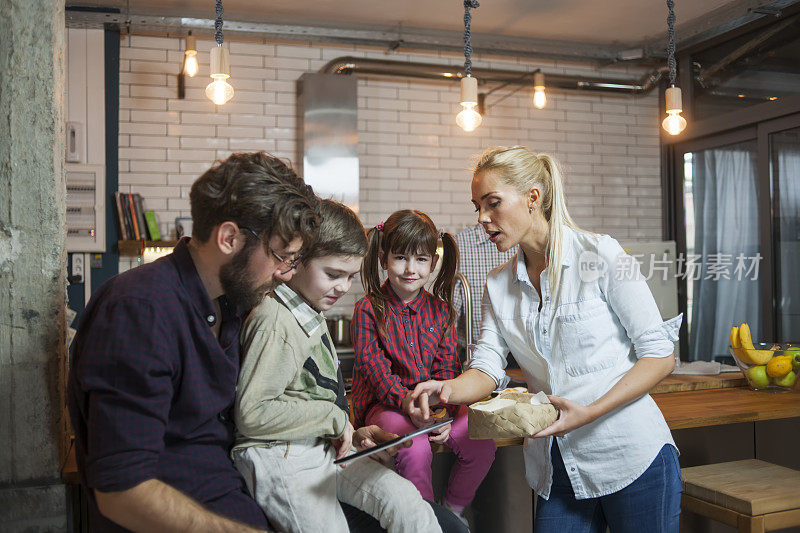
[(291, 414)]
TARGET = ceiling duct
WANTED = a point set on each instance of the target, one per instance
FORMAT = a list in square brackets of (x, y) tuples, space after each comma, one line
[(407, 69)]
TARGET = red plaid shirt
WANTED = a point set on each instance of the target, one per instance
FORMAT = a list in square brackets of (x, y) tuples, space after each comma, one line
[(387, 367)]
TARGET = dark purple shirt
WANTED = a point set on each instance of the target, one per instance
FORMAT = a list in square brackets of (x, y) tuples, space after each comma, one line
[(150, 388)]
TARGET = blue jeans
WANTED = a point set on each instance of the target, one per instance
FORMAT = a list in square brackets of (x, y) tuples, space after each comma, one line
[(652, 503)]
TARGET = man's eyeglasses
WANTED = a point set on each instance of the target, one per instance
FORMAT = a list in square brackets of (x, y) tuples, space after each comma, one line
[(290, 262)]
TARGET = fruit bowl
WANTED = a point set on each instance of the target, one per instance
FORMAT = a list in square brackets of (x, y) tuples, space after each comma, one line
[(769, 366)]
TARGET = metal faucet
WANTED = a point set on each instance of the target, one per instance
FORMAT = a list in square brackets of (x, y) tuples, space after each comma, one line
[(462, 280)]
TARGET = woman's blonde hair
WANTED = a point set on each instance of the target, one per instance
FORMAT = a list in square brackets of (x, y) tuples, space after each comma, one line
[(519, 167)]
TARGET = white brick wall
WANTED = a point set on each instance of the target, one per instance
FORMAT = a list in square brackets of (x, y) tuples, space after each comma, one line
[(411, 152)]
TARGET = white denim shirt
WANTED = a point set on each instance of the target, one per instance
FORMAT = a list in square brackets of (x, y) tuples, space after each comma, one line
[(578, 347)]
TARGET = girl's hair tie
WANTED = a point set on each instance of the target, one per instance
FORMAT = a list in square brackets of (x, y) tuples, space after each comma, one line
[(379, 227)]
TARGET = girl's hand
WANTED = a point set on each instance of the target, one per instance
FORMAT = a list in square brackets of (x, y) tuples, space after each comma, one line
[(571, 416), (417, 403), (345, 442), (440, 435)]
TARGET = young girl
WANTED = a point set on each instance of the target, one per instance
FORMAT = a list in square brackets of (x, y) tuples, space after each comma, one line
[(404, 335)]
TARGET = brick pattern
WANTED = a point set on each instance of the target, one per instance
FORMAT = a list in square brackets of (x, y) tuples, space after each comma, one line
[(411, 153)]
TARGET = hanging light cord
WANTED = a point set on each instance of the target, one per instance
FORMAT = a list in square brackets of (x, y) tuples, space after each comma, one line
[(468, 4), (218, 23), (671, 45)]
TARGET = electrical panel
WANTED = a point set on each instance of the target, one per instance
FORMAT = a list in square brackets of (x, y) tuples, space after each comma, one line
[(86, 209)]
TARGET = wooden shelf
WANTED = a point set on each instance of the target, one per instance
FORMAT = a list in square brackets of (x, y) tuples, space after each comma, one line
[(135, 248)]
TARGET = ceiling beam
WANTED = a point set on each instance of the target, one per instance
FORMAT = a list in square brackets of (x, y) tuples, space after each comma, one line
[(692, 34), (388, 37)]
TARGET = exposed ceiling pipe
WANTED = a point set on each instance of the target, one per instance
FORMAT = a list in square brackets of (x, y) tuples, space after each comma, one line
[(407, 69)]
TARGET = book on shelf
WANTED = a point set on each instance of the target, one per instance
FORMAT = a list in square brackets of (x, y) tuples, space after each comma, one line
[(123, 231), (138, 204), (128, 220), (134, 222), (134, 218), (152, 225)]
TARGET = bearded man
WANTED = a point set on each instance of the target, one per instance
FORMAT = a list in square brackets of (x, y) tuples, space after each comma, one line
[(156, 358)]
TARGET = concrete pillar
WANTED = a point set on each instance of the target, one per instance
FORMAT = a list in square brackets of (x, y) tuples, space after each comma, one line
[(32, 265)]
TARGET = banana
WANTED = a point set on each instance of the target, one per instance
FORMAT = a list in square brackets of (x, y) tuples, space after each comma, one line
[(744, 337), (760, 357), (735, 337), (748, 353)]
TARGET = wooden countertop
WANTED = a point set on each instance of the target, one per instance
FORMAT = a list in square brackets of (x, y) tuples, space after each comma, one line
[(689, 401), (677, 383), (715, 407)]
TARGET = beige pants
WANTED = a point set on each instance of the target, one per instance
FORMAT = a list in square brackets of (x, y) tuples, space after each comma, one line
[(299, 488)]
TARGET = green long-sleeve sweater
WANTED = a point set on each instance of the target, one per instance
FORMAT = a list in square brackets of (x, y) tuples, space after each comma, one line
[(288, 381)]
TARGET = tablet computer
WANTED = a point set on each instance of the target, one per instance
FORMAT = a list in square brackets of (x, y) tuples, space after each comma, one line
[(393, 442)]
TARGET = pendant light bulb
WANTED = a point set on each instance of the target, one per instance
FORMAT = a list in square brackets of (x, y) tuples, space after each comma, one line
[(674, 123), (469, 118), (539, 97), (219, 91), (190, 66)]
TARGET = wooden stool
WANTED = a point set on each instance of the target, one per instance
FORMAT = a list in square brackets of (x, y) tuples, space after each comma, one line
[(751, 495)]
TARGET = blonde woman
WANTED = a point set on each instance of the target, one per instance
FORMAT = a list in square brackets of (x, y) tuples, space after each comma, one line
[(569, 306)]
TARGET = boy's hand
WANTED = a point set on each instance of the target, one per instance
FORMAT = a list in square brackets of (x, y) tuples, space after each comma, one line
[(369, 436), (345, 442)]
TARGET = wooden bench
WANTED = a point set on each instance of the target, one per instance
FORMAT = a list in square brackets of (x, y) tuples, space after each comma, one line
[(751, 495)]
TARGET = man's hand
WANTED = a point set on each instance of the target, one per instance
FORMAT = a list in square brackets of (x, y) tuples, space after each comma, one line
[(155, 506), (345, 442), (369, 436)]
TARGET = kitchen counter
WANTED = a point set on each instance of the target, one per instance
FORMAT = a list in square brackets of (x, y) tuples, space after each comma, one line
[(695, 405), (676, 382), (715, 407), (682, 410)]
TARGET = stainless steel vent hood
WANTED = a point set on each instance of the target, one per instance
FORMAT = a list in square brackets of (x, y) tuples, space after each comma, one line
[(327, 124)]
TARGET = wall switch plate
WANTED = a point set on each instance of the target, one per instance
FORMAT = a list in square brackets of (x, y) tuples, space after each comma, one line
[(75, 141), (78, 265)]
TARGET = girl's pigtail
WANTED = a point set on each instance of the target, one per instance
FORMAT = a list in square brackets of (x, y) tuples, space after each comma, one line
[(446, 280), (371, 280)]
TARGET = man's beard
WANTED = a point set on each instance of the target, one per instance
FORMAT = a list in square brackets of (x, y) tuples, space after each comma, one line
[(237, 281)]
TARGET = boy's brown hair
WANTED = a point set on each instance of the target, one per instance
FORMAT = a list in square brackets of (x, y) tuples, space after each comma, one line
[(340, 233)]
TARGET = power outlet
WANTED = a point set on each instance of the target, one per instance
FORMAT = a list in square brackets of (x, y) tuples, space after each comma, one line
[(78, 266)]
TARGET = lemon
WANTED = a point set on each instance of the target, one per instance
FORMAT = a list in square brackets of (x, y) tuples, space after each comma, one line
[(779, 366)]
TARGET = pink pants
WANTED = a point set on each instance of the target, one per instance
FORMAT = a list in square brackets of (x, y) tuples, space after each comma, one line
[(473, 457)]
